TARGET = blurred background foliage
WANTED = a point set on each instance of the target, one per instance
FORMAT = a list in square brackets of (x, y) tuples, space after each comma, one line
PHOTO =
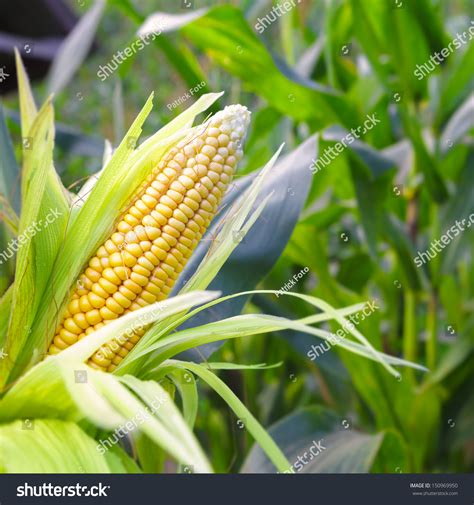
[(319, 68)]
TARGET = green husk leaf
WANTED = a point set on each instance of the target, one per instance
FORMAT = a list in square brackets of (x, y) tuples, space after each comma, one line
[(52, 446), (25, 289)]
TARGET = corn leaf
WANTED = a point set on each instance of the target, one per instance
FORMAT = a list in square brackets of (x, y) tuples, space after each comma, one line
[(251, 424), (163, 310), (74, 49), (101, 398), (171, 418), (58, 395), (226, 37), (187, 388), (9, 171), (47, 223), (5, 312), (317, 440), (256, 324), (9, 203), (52, 446), (28, 109), (167, 345), (37, 164)]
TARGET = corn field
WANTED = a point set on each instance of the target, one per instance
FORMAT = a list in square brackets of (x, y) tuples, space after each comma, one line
[(236, 238)]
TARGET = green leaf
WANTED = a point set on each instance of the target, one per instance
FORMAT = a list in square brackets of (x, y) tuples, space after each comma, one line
[(250, 423), (120, 462), (166, 427), (431, 15), (459, 124), (254, 324), (224, 34), (37, 164), (58, 396), (394, 40), (394, 232), (458, 210), (425, 162), (9, 204), (74, 49), (103, 399), (316, 440), (451, 360), (457, 85), (162, 311), (43, 225), (461, 437), (28, 108), (186, 385), (371, 193), (411, 407), (355, 271), (5, 311), (178, 54), (9, 171), (150, 455), (51, 446), (69, 139)]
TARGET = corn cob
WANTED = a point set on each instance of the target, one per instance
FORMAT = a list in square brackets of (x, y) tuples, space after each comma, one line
[(140, 262)]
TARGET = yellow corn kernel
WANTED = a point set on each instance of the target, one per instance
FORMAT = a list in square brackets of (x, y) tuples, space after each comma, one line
[(153, 240)]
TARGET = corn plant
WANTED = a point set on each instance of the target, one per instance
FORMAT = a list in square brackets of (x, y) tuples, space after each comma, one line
[(91, 332)]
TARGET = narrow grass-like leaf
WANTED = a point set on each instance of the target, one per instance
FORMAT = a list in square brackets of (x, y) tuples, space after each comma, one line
[(459, 124), (28, 109), (37, 164), (258, 251), (171, 417), (251, 424), (9, 171), (186, 385), (176, 439), (5, 312), (74, 49)]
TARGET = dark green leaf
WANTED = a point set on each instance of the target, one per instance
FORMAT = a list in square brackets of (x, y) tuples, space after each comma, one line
[(316, 440)]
